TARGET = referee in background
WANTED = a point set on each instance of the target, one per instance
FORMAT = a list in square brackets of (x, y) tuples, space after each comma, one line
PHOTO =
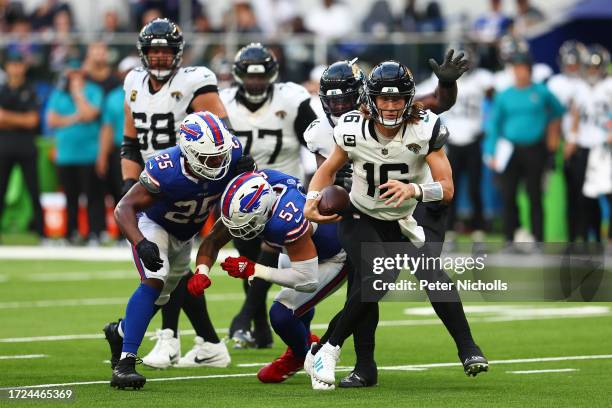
[(528, 116)]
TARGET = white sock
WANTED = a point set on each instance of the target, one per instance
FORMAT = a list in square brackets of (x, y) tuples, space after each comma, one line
[(120, 329), (124, 355)]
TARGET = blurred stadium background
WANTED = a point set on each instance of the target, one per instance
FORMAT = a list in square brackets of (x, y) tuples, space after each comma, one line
[(54, 36)]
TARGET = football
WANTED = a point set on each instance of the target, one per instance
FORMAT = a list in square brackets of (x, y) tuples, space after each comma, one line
[(334, 200)]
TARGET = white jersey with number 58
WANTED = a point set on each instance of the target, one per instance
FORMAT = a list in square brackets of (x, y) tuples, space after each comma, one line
[(268, 134), (158, 115)]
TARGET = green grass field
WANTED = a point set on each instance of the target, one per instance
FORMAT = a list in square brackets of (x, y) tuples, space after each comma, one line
[(40, 300)]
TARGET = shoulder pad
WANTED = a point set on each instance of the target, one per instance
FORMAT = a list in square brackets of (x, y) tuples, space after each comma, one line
[(292, 92), (149, 182), (439, 137), (198, 77)]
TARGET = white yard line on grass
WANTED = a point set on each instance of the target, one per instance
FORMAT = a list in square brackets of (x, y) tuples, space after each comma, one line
[(23, 356), (558, 370), (30, 253), (415, 367), (319, 326)]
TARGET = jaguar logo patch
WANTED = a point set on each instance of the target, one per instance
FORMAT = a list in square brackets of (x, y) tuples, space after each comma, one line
[(414, 148), (176, 95), (281, 114), (133, 95)]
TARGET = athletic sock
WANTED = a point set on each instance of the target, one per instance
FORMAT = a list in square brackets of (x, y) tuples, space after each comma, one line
[(290, 328), (138, 313), (172, 310)]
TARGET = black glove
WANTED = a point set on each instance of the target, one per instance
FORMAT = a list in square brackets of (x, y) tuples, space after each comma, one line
[(148, 252), (451, 69), (344, 177), (127, 184), (245, 163)]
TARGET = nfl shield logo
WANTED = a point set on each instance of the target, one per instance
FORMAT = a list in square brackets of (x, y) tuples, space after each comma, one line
[(385, 151)]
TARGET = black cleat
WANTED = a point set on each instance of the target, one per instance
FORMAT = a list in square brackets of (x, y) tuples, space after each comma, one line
[(115, 341), (354, 380), (125, 375), (475, 364), (262, 333)]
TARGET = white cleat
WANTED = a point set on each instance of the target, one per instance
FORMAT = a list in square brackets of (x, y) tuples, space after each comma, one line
[(324, 366), (166, 352), (205, 354), (309, 360), (320, 385)]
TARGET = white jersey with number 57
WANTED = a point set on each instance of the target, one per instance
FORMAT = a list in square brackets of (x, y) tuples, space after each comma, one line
[(374, 163), (268, 134), (158, 115)]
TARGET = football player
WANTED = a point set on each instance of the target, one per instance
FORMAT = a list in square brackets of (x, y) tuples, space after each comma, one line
[(465, 119), (158, 97), (160, 215), (269, 118), (390, 143), (591, 159), (508, 46), (564, 86), (269, 204), (340, 92)]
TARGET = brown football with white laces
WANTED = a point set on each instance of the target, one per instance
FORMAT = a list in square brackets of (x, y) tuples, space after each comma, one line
[(334, 200)]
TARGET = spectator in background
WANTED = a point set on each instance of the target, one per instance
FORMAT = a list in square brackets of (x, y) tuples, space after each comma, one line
[(331, 20), (44, 15), (19, 123), (97, 67), (243, 19), (527, 16), (491, 25), (110, 28), (63, 51), (33, 53), (72, 113), (108, 162), (522, 133)]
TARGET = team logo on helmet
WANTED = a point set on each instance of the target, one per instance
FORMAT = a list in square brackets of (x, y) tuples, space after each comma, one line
[(191, 131), (252, 200)]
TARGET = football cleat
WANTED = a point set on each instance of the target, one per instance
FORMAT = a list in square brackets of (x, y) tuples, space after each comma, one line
[(166, 352), (324, 365), (280, 369), (243, 339), (115, 341), (125, 375), (262, 333), (475, 364), (205, 354), (309, 360), (354, 380)]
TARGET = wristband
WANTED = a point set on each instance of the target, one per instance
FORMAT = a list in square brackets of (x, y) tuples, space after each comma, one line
[(312, 195), (202, 269), (432, 191), (418, 191)]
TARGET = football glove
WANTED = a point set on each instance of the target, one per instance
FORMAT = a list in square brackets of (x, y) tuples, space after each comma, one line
[(240, 267), (148, 252), (451, 69), (344, 177), (245, 163), (197, 283)]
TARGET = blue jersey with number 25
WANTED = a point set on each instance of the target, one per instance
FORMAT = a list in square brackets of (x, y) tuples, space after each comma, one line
[(287, 222), (183, 201)]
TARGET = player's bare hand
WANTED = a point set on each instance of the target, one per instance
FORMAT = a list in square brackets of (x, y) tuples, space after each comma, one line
[(311, 212), (397, 192)]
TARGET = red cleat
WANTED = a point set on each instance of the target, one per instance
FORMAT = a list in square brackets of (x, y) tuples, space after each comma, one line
[(283, 367)]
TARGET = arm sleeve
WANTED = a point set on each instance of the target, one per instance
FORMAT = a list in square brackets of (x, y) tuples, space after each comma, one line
[(439, 137), (149, 182), (303, 276), (305, 116)]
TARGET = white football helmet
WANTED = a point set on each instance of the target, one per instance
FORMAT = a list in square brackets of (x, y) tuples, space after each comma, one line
[(206, 144), (246, 205)]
